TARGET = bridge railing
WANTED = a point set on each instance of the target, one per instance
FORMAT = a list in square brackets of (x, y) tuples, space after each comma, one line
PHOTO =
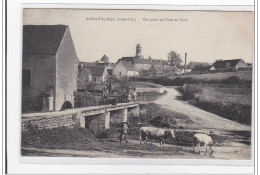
[(87, 100)]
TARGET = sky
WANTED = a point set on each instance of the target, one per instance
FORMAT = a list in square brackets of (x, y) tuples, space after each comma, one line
[(204, 35)]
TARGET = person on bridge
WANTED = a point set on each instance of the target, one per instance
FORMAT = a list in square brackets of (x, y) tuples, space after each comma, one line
[(134, 94), (129, 95), (123, 133)]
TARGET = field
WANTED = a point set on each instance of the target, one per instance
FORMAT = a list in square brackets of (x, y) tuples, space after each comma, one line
[(229, 101), (243, 75)]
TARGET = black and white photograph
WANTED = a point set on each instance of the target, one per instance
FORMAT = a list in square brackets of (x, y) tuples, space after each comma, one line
[(153, 84)]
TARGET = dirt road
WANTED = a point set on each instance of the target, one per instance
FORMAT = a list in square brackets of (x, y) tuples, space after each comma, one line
[(203, 121), (198, 116)]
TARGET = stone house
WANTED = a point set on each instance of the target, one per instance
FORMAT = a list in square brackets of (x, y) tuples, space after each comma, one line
[(230, 65), (99, 74), (124, 69), (49, 68), (163, 70), (203, 69), (156, 71), (84, 77)]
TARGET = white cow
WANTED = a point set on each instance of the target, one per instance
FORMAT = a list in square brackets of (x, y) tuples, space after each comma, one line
[(158, 133), (204, 139)]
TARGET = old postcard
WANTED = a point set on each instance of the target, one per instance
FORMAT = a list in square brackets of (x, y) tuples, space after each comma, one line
[(137, 84)]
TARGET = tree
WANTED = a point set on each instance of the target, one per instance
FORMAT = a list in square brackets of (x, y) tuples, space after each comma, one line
[(174, 59)]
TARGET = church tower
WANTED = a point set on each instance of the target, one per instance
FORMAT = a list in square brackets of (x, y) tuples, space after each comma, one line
[(138, 50)]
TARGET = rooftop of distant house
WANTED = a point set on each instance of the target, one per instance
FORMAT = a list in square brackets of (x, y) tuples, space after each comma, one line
[(225, 63), (94, 69)]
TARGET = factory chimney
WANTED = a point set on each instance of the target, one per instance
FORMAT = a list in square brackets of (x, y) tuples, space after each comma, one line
[(185, 63)]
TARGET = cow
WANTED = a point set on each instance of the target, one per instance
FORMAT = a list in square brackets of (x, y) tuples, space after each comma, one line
[(159, 133), (204, 139)]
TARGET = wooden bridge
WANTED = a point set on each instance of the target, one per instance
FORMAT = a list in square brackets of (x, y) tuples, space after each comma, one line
[(94, 118)]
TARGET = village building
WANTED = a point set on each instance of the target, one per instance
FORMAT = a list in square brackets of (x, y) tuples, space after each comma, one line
[(230, 65), (110, 67), (156, 71), (125, 69), (104, 61), (92, 73), (203, 69), (193, 64), (84, 75), (163, 70), (50, 68), (140, 63)]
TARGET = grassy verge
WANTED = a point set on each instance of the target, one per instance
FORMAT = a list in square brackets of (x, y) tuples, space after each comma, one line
[(231, 102)]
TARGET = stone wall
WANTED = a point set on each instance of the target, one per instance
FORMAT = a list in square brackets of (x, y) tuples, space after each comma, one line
[(68, 120), (116, 117), (92, 120), (97, 122)]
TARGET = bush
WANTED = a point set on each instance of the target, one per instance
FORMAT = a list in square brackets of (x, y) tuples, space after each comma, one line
[(102, 134), (232, 80), (236, 112), (163, 121), (190, 91), (180, 81)]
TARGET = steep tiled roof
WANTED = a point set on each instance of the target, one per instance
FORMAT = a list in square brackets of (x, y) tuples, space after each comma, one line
[(225, 63), (96, 70), (86, 63), (42, 39), (165, 69)]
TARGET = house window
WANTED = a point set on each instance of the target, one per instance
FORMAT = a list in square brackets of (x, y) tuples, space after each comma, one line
[(119, 73), (27, 78), (95, 79)]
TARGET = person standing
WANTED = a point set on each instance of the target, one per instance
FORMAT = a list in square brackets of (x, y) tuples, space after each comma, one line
[(110, 87), (134, 94), (129, 95), (123, 132)]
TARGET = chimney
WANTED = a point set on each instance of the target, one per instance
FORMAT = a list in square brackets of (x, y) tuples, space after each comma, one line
[(150, 58), (185, 63)]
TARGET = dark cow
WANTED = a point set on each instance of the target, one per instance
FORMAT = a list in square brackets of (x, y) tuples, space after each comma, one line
[(159, 133)]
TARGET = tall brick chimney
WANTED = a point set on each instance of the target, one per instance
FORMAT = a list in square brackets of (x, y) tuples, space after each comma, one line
[(185, 63)]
